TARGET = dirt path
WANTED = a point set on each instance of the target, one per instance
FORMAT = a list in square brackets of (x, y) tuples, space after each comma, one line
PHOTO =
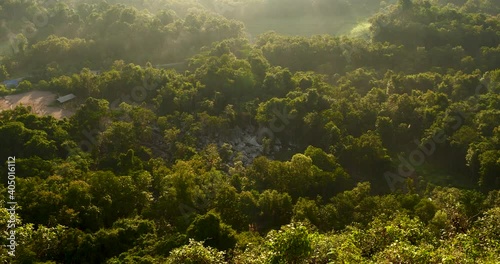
[(39, 102)]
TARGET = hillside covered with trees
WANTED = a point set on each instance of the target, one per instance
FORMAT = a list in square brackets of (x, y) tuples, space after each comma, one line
[(355, 132)]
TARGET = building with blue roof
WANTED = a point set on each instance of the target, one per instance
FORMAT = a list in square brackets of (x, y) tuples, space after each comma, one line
[(12, 83)]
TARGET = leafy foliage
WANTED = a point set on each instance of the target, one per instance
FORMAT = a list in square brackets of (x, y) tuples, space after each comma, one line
[(191, 143)]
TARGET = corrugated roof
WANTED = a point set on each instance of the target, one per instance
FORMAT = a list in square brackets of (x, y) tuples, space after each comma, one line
[(12, 83), (66, 98)]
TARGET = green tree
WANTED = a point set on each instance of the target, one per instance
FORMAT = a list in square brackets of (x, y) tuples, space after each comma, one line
[(291, 244), (275, 209), (194, 253), (210, 229), (490, 170), (4, 75), (88, 117)]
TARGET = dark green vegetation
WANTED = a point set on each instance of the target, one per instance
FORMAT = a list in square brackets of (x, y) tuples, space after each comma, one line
[(322, 149)]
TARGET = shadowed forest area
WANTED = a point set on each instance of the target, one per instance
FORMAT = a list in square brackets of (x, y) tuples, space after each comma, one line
[(251, 131)]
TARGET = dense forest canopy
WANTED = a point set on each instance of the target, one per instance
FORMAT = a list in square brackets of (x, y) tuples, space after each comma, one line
[(251, 131)]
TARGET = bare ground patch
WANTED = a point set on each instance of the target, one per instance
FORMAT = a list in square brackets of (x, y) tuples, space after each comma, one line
[(40, 102)]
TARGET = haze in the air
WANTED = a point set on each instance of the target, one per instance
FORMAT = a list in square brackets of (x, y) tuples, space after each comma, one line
[(250, 131)]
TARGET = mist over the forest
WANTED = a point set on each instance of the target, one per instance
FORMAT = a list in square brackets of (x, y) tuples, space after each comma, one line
[(250, 131)]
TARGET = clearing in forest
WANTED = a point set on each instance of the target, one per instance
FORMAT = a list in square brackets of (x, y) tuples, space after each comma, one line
[(41, 102)]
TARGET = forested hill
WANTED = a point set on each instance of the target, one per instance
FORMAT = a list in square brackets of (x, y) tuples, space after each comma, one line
[(367, 132)]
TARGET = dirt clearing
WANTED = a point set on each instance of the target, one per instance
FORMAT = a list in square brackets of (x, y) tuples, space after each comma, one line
[(41, 102)]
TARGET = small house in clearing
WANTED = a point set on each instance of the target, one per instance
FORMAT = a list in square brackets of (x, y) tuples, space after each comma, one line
[(66, 98)]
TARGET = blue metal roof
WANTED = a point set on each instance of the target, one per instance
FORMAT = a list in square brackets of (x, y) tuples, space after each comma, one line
[(12, 83)]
